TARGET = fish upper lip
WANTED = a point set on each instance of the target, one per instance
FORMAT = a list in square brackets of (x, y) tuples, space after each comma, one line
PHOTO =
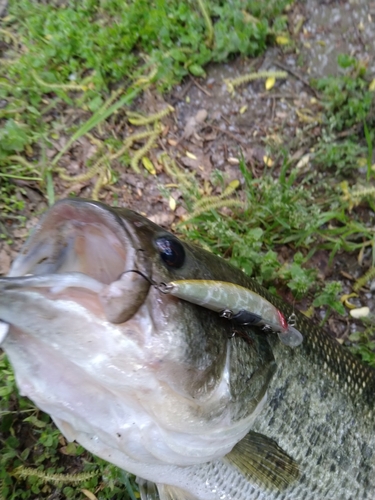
[(84, 245), (81, 236), (56, 281)]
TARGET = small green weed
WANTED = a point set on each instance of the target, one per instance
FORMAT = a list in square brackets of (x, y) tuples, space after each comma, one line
[(280, 211), (347, 97), (364, 343), (328, 297), (59, 57), (339, 156), (347, 137)]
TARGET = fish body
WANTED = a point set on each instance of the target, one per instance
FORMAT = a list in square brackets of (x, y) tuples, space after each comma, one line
[(168, 390)]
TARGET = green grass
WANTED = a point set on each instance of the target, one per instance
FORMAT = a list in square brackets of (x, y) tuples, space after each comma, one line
[(349, 117), (66, 56), (305, 214), (347, 98)]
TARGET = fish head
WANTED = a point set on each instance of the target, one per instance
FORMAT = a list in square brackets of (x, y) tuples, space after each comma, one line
[(135, 375)]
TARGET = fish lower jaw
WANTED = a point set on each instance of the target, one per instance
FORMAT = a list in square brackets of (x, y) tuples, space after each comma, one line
[(113, 420), (76, 237), (160, 474)]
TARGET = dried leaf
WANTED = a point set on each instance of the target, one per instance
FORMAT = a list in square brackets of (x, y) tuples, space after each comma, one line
[(5, 260), (345, 300), (147, 163), (69, 449), (282, 40), (172, 203), (232, 186), (303, 161), (190, 127), (360, 312), (270, 82), (268, 161), (35, 421), (361, 161), (89, 495), (248, 18), (372, 86), (201, 116), (309, 312)]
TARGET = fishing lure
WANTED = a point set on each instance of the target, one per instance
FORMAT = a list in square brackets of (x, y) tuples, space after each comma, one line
[(235, 303)]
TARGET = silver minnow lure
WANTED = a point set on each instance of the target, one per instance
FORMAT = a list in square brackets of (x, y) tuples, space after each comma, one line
[(236, 303)]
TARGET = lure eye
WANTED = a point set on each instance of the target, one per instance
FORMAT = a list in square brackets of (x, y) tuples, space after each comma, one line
[(171, 251)]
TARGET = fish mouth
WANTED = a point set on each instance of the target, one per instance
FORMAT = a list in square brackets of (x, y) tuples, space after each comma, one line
[(81, 244)]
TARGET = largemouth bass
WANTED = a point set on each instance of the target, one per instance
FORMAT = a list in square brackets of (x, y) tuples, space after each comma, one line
[(168, 390)]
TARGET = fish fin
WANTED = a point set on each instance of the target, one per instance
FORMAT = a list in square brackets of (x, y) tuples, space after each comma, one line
[(261, 460), (147, 489), (167, 492), (151, 491)]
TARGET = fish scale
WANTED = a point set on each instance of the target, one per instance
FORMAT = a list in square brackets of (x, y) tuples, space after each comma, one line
[(334, 361)]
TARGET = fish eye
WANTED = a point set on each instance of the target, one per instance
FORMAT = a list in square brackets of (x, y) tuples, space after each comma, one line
[(171, 251)]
